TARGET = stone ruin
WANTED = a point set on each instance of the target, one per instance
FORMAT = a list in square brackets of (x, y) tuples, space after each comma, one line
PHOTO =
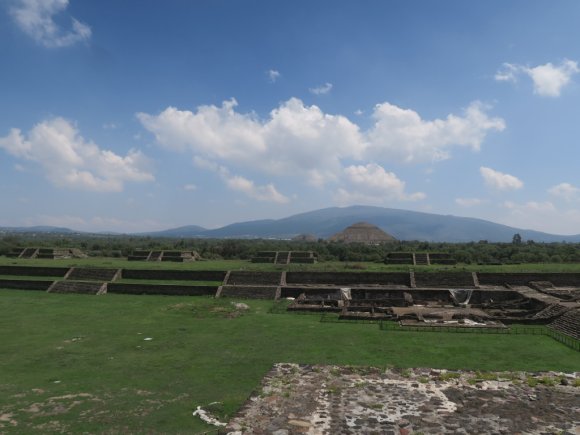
[(459, 300), (285, 257), (328, 400), (413, 299), (362, 232), (419, 258), (46, 253), (163, 255)]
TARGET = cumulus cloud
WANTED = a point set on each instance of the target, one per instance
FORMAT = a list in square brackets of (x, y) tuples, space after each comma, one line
[(295, 140), (371, 183), (322, 89), (499, 180), (190, 187), (241, 184), (273, 75), (469, 202), (548, 79), (70, 161), (302, 141), (565, 191), (542, 216), (401, 133), (36, 19)]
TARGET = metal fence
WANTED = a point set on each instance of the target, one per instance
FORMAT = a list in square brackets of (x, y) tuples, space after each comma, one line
[(386, 325)]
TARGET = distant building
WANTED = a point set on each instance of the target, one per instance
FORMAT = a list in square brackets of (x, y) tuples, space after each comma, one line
[(304, 238), (362, 232)]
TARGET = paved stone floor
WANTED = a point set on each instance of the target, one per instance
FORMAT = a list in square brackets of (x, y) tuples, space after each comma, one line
[(305, 399)]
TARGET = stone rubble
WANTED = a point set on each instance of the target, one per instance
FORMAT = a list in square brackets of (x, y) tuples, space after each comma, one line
[(317, 400)]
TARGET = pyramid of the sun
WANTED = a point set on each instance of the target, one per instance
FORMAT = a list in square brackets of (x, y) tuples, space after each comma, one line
[(362, 232)]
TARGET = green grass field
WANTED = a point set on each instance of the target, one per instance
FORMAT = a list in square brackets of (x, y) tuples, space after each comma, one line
[(330, 266), (81, 364)]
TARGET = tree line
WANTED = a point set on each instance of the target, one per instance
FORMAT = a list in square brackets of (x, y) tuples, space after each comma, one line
[(480, 252)]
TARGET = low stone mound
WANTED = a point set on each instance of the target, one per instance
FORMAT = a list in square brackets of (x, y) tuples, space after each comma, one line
[(92, 274), (80, 287)]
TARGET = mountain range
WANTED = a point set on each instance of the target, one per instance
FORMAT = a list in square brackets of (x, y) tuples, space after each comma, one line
[(402, 224)]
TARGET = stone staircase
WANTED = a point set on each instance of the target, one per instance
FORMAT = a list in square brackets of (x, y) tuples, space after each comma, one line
[(28, 253), (80, 287), (155, 256), (283, 257), (92, 274), (568, 323), (550, 312), (421, 259)]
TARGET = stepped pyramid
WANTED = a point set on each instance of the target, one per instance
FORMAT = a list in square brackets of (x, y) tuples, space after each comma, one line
[(362, 232)]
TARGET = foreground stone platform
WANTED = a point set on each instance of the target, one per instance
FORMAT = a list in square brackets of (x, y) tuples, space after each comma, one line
[(296, 399)]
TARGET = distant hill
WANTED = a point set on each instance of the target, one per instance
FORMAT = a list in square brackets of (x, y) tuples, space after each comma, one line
[(185, 231), (37, 229), (402, 224)]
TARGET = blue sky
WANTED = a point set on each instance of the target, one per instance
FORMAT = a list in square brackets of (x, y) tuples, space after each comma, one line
[(142, 115)]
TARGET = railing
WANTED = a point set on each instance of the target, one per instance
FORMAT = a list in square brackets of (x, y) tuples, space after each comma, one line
[(280, 307), (566, 340)]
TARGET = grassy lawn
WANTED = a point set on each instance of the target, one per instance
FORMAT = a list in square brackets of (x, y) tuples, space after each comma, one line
[(79, 363), (330, 266)]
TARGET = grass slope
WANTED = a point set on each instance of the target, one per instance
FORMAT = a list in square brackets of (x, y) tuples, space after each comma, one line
[(327, 266), (78, 363)]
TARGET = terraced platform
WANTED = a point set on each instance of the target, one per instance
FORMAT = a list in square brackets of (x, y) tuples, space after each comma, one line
[(464, 298)]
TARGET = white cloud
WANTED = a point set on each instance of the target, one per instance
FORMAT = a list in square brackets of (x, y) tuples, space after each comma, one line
[(240, 184), (261, 193), (507, 73), (273, 75), (402, 134), (499, 180), (322, 89), (190, 187), (566, 191), (36, 19), (548, 79), (304, 142), (372, 184), (296, 140), (541, 216), (70, 161), (469, 202)]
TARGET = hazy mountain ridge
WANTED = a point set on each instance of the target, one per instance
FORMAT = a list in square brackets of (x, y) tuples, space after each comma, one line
[(403, 224)]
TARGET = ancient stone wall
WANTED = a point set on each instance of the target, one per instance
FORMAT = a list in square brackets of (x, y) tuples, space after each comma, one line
[(558, 279), (88, 273), (252, 278), (175, 275), (33, 271), (444, 279), (173, 290), (346, 278), (249, 292), (25, 285)]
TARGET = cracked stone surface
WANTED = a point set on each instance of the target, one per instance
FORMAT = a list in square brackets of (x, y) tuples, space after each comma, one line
[(306, 399)]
